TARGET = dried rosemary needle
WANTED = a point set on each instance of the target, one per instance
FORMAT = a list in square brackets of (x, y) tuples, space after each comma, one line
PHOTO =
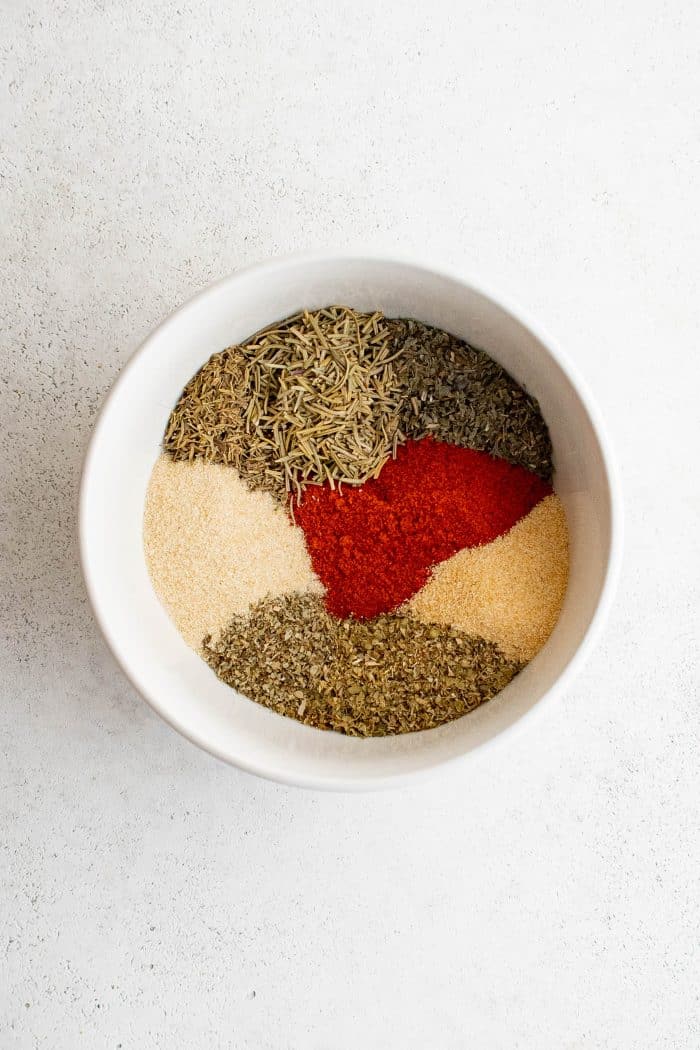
[(313, 399)]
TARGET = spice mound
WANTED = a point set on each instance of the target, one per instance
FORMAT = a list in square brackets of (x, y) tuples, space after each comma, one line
[(213, 547), (462, 395), (309, 400), (373, 547), (354, 522), (510, 591), (376, 677)]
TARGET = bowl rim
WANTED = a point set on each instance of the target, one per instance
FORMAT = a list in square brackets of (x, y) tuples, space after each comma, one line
[(340, 782)]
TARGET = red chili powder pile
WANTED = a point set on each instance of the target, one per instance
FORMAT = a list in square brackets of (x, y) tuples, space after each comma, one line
[(373, 546)]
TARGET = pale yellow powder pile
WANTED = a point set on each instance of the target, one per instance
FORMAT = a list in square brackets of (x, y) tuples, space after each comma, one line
[(509, 591), (213, 547)]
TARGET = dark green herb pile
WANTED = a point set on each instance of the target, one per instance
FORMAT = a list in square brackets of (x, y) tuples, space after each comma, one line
[(374, 677), (461, 395)]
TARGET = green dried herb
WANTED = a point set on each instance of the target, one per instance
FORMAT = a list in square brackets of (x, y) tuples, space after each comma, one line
[(459, 394), (312, 399), (375, 677)]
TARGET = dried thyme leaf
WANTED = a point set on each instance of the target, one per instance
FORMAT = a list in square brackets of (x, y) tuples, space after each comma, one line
[(375, 677)]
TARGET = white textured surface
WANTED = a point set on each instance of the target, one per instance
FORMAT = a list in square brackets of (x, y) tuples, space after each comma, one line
[(154, 898)]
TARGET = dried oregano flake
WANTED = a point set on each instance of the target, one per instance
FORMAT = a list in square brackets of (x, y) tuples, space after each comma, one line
[(375, 677)]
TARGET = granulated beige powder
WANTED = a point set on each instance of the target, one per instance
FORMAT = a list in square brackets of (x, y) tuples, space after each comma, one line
[(213, 547), (509, 591)]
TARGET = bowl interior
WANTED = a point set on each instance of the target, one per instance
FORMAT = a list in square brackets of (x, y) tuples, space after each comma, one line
[(177, 683)]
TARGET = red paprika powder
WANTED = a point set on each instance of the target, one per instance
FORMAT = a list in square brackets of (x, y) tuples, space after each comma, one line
[(373, 546)]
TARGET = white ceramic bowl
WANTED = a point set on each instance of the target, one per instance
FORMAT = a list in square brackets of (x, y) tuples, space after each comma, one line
[(125, 444)]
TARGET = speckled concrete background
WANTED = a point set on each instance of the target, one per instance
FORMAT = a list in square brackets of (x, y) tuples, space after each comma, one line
[(151, 897)]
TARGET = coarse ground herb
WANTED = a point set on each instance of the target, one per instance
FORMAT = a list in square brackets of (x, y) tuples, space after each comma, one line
[(312, 399), (459, 394), (377, 677)]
